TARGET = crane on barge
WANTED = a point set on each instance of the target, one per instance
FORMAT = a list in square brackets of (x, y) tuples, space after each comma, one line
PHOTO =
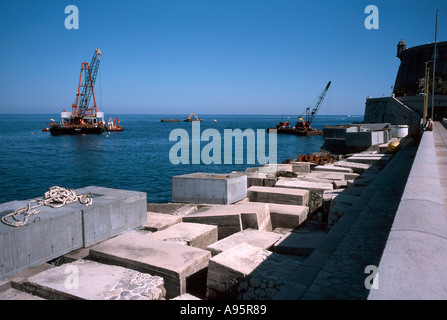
[(303, 126), (83, 118)]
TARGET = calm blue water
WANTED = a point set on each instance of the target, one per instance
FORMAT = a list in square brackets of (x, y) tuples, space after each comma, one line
[(31, 161)]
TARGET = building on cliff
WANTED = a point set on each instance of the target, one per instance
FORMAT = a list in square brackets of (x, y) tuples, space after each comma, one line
[(405, 106)]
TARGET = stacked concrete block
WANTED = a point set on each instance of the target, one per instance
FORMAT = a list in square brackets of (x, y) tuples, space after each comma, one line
[(302, 167), (89, 280), (262, 239), (290, 196), (287, 216), (233, 218), (159, 221), (332, 168), (316, 189), (227, 269), (212, 188), (192, 234), (113, 212), (356, 167), (260, 179), (175, 209), (47, 235), (249, 272), (182, 267)]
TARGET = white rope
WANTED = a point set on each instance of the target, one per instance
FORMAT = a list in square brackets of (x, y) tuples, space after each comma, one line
[(56, 197)]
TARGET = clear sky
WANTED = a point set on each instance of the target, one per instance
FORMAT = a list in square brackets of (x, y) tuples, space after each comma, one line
[(208, 56)]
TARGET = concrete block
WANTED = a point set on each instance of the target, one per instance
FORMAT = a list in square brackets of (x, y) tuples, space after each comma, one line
[(175, 209), (302, 184), (186, 296), (213, 188), (316, 189), (301, 244), (95, 281), (255, 179), (233, 218), (225, 270), (248, 272), (113, 211), (14, 294), (272, 168), (160, 221), (193, 234), (48, 235), (278, 195), (300, 166), (355, 166), (332, 168), (182, 267), (372, 159), (262, 239), (287, 216)]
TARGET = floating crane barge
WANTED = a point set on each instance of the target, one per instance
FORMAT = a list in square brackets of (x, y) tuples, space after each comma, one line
[(302, 127), (84, 119)]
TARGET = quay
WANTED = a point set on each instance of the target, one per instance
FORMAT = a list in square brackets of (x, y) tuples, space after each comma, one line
[(366, 223), (266, 245)]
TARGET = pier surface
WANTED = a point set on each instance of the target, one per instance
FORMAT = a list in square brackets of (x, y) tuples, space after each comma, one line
[(386, 239)]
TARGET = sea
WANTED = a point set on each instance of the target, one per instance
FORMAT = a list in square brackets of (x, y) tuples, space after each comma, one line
[(137, 158)]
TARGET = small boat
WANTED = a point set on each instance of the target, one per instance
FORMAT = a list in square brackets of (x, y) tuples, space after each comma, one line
[(113, 125), (46, 129), (170, 120), (192, 117)]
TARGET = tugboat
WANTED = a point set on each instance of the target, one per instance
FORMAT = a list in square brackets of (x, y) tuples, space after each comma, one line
[(83, 119), (113, 126)]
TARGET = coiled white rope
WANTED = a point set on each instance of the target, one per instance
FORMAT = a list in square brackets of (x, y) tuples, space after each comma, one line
[(56, 197)]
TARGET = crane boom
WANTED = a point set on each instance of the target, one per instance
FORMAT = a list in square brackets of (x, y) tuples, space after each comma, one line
[(81, 105), (310, 116)]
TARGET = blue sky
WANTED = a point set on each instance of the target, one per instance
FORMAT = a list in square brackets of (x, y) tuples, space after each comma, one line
[(208, 56)]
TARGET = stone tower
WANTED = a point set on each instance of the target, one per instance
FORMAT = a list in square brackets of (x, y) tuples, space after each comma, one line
[(401, 46)]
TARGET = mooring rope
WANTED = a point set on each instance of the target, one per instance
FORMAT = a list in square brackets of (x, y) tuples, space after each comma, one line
[(56, 197)]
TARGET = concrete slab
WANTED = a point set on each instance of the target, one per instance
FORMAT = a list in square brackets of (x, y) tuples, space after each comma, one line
[(160, 221), (300, 166), (192, 234), (332, 168), (247, 272), (298, 183), (301, 244), (113, 211), (233, 218), (90, 280), (214, 188), (278, 195), (226, 269), (186, 296), (369, 160), (272, 168), (183, 268), (316, 189), (48, 235), (287, 216), (262, 239), (355, 166), (14, 294), (175, 209)]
